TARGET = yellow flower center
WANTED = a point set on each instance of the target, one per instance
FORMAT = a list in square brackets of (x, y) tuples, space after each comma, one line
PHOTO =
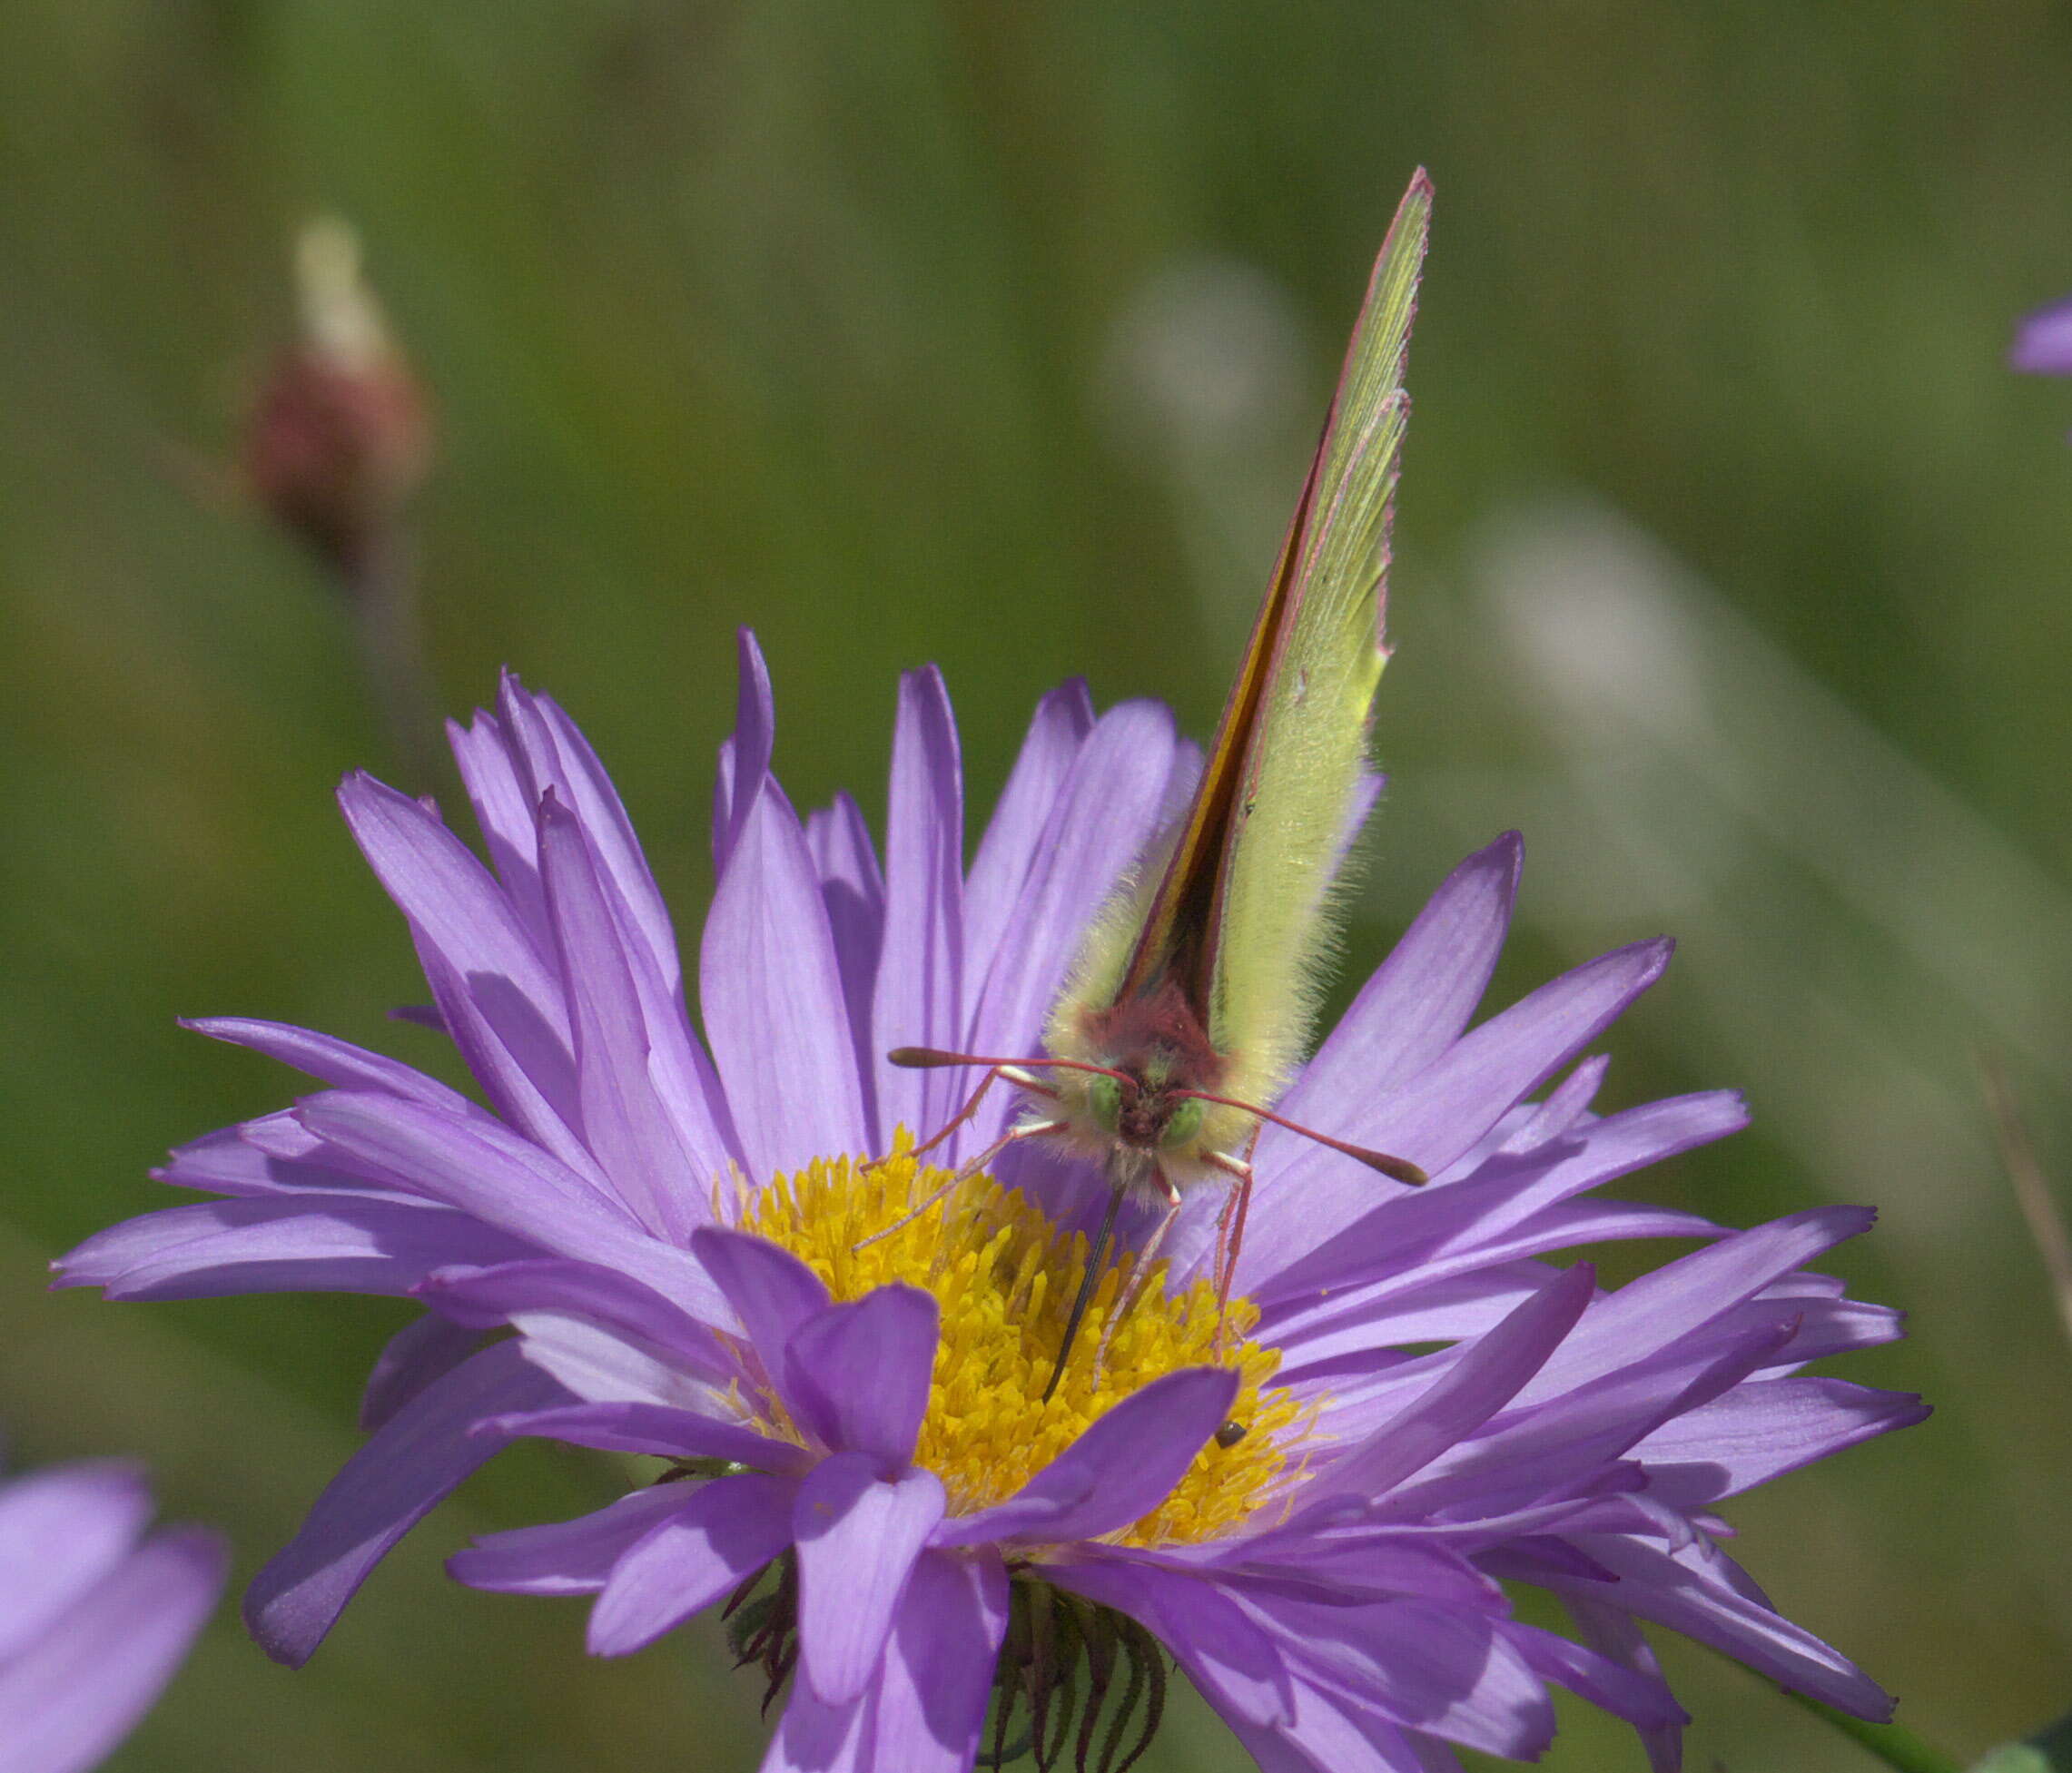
[(1004, 1278)]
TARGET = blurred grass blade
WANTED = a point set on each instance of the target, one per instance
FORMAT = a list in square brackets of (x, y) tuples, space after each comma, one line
[(2032, 1188)]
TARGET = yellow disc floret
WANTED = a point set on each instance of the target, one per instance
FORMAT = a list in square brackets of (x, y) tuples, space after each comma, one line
[(1003, 1278)]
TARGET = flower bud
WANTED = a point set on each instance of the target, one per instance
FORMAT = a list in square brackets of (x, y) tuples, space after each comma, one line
[(340, 435)]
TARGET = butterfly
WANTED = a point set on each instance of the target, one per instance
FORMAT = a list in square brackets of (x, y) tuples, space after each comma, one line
[(1190, 999)]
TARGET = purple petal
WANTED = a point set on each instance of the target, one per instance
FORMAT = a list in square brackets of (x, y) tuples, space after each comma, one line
[(744, 758), (2043, 342), (493, 984), (291, 1244), (772, 1292), (721, 1535), (62, 1530), (1435, 1669), (1234, 1661), (485, 1169), (857, 1374), (486, 1297), (1120, 1469), (1103, 816), (87, 1679), (504, 800), (1008, 850), (1417, 1004), (938, 1669), (335, 1062), (772, 1002), (1428, 1234), (1309, 1195), (1642, 1699), (651, 1165), (1487, 1377), (410, 1360), (414, 1462), (564, 1557), (815, 1738), (920, 998), (853, 889), (858, 1536), (1654, 1311), (1761, 1431), (654, 1428), (1713, 1607)]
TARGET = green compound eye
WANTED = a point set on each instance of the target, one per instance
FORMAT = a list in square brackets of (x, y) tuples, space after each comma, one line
[(1184, 1124), (1106, 1095)]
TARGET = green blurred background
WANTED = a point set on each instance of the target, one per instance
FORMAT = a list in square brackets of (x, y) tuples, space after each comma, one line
[(1732, 569)]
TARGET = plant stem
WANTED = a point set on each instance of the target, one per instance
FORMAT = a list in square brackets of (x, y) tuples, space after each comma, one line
[(1891, 1743)]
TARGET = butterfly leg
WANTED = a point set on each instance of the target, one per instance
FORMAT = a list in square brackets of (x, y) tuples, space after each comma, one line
[(1027, 1131), (1230, 1230)]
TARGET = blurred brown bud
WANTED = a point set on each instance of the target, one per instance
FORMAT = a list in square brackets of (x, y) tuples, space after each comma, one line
[(340, 435)]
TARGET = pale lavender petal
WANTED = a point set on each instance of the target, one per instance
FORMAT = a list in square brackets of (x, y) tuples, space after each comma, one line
[(505, 804), (410, 1360), (1438, 1115), (858, 1535), (938, 1669), (1435, 1670), (660, 1430), (1417, 1004), (1761, 1431), (1234, 1662), (723, 1533), (919, 1000), (385, 1489), (488, 1297), (2043, 342), (1414, 1235), (626, 1126), (604, 1365), (251, 1159), (1120, 1469), (772, 1292), (1617, 1637), (294, 1244), (564, 1557), (1008, 850), (495, 986), (812, 1736), (1654, 1310), (1487, 1377), (1333, 1735), (1102, 817), (744, 758), (857, 1374), (78, 1690), (854, 891), (1641, 1697), (507, 1182), (1714, 1608), (336, 1062), (772, 1002), (62, 1530), (560, 759)]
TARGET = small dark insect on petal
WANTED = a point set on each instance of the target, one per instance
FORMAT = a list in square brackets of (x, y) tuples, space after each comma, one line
[(1229, 1434)]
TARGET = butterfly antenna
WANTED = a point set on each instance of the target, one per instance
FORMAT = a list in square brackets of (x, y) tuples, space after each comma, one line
[(929, 1058), (1401, 1169), (1086, 1283)]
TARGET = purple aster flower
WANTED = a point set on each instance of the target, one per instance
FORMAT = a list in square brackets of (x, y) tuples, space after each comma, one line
[(2043, 342), (1313, 1500), (95, 1614)]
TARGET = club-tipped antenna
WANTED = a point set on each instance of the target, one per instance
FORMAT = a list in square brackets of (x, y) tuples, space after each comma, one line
[(929, 1058), (1401, 1169)]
